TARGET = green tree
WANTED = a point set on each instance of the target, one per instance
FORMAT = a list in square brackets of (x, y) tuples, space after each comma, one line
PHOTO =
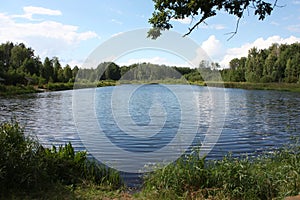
[(5, 54), (236, 73), (166, 10), (30, 67), (112, 72), (75, 72), (280, 64), (57, 67), (269, 71), (292, 70), (183, 70), (18, 55), (68, 73), (253, 66), (47, 70), (60, 75)]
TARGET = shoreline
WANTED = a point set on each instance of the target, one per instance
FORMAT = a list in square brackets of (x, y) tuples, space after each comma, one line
[(10, 90), (290, 87)]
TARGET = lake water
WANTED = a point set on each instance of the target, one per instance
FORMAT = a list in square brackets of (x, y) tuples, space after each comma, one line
[(146, 118)]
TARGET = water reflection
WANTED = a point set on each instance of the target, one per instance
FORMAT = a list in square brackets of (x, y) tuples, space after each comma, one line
[(255, 120), (258, 120)]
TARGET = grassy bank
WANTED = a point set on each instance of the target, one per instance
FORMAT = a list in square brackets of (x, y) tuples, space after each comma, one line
[(269, 176), (30, 171), (70, 86), (292, 87), (9, 90)]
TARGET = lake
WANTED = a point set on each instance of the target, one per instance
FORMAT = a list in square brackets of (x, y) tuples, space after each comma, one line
[(143, 119)]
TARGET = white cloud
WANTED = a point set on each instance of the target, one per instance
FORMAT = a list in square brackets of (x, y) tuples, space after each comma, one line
[(116, 11), (117, 34), (297, 2), (72, 63), (41, 11), (294, 28), (259, 43), (48, 38), (29, 11), (274, 23), (116, 21), (213, 47), (213, 26), (215, 51), (186, 20), (218, 26)]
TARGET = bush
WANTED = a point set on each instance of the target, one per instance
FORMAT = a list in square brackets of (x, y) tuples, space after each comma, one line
[(59, 86), (26, 165), (8, 90), (18, 156), (268, 176)]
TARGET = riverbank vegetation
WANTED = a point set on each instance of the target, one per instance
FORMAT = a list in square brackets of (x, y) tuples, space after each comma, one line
[(21, 71), (8, 90), (30, 171), (272, 175), (291, 87)]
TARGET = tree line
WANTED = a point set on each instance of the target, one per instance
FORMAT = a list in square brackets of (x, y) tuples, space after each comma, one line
[(19, 65), (278, 63)]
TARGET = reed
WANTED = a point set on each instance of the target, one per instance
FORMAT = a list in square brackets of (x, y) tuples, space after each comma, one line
[(272, 175), (27, 167)]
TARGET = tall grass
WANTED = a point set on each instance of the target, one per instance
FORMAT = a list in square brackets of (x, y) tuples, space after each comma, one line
[(269, 176), (27, 166), (292, 87), (8, 90)]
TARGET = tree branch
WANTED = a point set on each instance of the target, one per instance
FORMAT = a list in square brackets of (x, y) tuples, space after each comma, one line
[(236, 30), (261, 8), (197, 24), (275, 5)]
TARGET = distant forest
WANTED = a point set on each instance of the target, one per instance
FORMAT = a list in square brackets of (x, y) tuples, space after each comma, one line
[(278, 63)]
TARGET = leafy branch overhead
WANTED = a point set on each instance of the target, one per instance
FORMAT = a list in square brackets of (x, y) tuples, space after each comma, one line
[(165, 10)]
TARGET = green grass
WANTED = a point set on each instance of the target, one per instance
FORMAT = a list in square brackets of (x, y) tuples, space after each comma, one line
[(28, 169), (20, 89), (292, 87), (59, 86), (9, 90), (70, 86), (269, 176)]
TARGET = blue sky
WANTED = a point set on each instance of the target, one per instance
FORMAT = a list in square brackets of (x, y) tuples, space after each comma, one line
[(71, 30)]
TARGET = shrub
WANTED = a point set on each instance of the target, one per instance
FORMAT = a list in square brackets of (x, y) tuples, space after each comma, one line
[(17, 158), (26, 165), (268, 176)]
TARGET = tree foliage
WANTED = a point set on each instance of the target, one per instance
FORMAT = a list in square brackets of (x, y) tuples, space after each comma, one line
[(166, 10), (278, 63), (19, 65)]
